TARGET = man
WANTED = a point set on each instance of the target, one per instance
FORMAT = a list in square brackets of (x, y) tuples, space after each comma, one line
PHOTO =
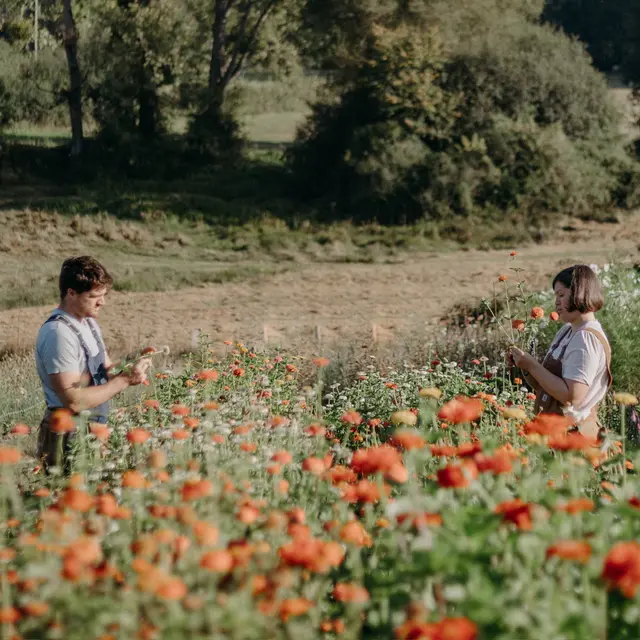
[(71, 358)]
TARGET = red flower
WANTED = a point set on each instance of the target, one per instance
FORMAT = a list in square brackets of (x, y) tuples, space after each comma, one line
[(516, 511), (622, 568)]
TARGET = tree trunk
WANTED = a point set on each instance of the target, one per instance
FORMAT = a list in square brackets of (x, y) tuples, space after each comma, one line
[(217, 64), (74, 94), (147, 105)]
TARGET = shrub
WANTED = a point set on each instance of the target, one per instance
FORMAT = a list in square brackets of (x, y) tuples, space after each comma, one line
[(511, 117)]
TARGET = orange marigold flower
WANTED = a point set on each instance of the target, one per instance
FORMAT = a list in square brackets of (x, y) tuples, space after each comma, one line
[(497, 464), (9, 455), (100, 431), (571, 442), (468, 449), (315, 430), (279, 421), (407, 439), (35, 608), (315, 466), (356, 534), (180, 410), (461, 410), (76, 500), (282, 457), (191, 423), (20, 430), (576, 505), (352, 417), (554, 316), (294, 607), (195, 489), (503, 278), (207, 374), (248, 514), (218, 561), (321, 362), (457, 629), (622, 568), (518, 325), (150, 403), (420, 520), (577, 550), (547, 424), (458, 476), (537, 313), (62, 421), (133, 480), (516, 511), (363, 491), (9, 615), (172, 589), (417, 630), (350, 592), (138, 436), (383, 459), (341, 474)]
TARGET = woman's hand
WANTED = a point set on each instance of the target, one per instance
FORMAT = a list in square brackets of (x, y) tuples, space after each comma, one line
[(521, 359)]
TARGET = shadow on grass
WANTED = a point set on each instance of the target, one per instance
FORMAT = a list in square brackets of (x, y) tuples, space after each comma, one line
[(159, 182)]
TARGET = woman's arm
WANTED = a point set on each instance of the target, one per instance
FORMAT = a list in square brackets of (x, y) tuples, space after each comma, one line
[(565, 391)]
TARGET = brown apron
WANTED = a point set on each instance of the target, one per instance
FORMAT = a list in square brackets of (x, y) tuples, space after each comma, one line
[(545, 403)]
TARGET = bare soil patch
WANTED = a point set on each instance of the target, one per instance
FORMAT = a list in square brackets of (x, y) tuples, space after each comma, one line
[(321, 303)]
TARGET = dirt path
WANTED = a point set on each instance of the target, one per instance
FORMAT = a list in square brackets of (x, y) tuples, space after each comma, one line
[(329, 301)]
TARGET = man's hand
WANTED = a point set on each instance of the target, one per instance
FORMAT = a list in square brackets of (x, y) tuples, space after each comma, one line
[(138, 374), (521, 359)]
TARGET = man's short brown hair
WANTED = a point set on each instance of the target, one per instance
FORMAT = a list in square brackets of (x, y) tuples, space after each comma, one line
[(586, 293), (82, 274)]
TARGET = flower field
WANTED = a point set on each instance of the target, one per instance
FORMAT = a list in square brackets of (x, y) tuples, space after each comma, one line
[(234, 502)]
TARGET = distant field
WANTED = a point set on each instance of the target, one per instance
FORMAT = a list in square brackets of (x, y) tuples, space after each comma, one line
[(270, 111)]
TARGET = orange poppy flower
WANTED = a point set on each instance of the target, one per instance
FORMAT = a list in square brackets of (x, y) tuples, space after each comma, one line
[(537, 313)]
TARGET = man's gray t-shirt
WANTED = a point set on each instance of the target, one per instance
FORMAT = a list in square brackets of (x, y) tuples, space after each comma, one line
[(58, 350)]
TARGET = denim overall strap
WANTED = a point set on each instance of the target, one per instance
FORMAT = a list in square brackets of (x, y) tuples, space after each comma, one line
[(95, 364)]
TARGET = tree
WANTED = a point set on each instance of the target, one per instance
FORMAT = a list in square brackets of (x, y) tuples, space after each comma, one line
[(506, 115), (236, 31), (74, 92)]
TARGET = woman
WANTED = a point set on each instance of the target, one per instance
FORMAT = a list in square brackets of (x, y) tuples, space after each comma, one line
[(575, 374)]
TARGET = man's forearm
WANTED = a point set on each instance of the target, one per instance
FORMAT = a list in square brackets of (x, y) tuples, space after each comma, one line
[(80, 399), (553, 385)]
